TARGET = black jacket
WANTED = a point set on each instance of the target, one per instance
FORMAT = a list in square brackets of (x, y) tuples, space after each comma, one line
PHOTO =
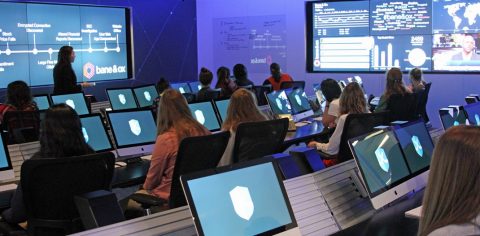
[(65, 80)]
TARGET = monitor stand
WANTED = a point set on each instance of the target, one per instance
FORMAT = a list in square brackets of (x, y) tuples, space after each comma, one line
[(300, 116), (133, 152)]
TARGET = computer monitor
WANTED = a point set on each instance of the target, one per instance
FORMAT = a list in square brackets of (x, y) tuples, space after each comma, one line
[(356, 79), (342, 84), (320, 97), (42, 101), (121, 98), (382, 166), (145, 95), (204, 113), (300, 106), (134, 131), (76, 101), (95, 133), (6, 168), (279, 103), (244, 199), (452, 116), (222, 107), (181, 87), (195, 86), (472, 112)]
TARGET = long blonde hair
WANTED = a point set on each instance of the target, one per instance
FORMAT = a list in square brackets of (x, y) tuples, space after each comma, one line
[(174, 113), (452, 195), (352, 100), (394, 83), (242, 108)]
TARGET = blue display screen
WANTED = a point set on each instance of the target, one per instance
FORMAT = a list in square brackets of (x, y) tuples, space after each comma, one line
[(245, 201), (32, 34), (42, 102), (146, 95), (74, 100), (222, 106), (133, 127), (121, 99), (95, 134), (182, 87), (203, 112), (195, 86), (299, 101), (279, 102), (473, 113), (3, 154), (416, 145)]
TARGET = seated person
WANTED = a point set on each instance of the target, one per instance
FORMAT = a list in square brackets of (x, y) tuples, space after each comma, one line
[(394, 86), (175, 123), (277, 77), (19, 98), (416, 80), (161, 86), (451, 202), (205, 77), (242, 108), (241, 75), (352, 101), (60, 136), (331, 91), (224, 82)]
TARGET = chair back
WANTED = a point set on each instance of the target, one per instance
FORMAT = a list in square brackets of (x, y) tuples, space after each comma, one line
[(357, 125), (422, 102), (190, 97), (50, 184), (260, 91), (258, 139), (195, 154), (247, 87), (403, 107), (293, 84), (22, 126), (210, 95)]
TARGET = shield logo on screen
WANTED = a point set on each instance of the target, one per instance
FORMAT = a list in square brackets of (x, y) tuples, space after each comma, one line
[(279, 103), (135, 127), (122, 99), (147, 96), (181, 89), (200, 117), (85, 134), (242, 202), (417, 145), (382, 159), (456, 123), (297, 98), (70, 103), (477, 119)]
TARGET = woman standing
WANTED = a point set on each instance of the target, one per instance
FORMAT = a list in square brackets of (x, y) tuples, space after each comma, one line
[(64, 78)]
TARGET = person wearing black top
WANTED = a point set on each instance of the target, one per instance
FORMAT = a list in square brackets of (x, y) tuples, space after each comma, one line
[(64, 78), (205, 77), (241, 75)]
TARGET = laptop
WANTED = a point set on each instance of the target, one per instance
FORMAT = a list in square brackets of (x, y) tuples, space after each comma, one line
[(473, 113), (222, 107), (279, 102), (205, 114), (243, 199), (121, 98), (145, 95), (42, 101), (181, 87), (76, 101), (95, 133)]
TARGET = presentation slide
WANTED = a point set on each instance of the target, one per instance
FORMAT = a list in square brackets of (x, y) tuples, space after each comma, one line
[(369, 36), (31, 35)]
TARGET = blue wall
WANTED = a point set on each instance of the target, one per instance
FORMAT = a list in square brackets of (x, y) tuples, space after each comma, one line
[(164, 42)]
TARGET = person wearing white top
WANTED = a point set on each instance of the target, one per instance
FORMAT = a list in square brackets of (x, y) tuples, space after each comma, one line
[(331, 91)]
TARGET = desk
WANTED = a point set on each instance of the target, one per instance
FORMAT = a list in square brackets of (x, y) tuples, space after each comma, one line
[(305, 133), (131, 174)]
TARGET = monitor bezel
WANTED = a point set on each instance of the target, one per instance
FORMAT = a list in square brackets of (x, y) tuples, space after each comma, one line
[(218, 110), (4, 137), (122, 88), (196, 175), (48, 99), (219, 121), (64, 94), (104, 128), (143, 86), (113, 130)]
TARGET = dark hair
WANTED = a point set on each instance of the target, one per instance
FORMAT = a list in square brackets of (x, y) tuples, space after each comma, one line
[(61, 133), (240, 72), (223, 74), (205, 77), (18, 94), (416, 74), (330, 89), (64, 55), (162, 85), (394, 83), (275, 71)]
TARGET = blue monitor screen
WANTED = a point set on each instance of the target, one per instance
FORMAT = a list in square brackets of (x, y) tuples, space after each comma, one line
[(95, 134), (4, 158), (203, 112), (42, 102), (381, 161), (74, 100), (279, 102), (222, 106), (32, 34), (195, 86), (416, 144), (452, 117), (299, 101), (146, 95), (246, 201), (121, 99), (133, 127), (473, 113), (182, 87)]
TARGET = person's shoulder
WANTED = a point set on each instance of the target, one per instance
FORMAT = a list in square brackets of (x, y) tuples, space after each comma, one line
[(6, 107), (463, 229)]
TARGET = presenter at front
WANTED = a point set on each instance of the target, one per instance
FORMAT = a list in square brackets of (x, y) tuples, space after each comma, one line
[(64, 78)]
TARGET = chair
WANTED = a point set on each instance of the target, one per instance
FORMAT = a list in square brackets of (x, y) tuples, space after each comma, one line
[(258, 139), (403, 107), (194, 154), (293, 84), (210, 95), (190, 97), (50, 184), (260, 91), (422, 102), (22, 126), (247, 87)]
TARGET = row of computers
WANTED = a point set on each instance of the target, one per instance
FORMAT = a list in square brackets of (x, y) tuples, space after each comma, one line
[(456, 115)]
